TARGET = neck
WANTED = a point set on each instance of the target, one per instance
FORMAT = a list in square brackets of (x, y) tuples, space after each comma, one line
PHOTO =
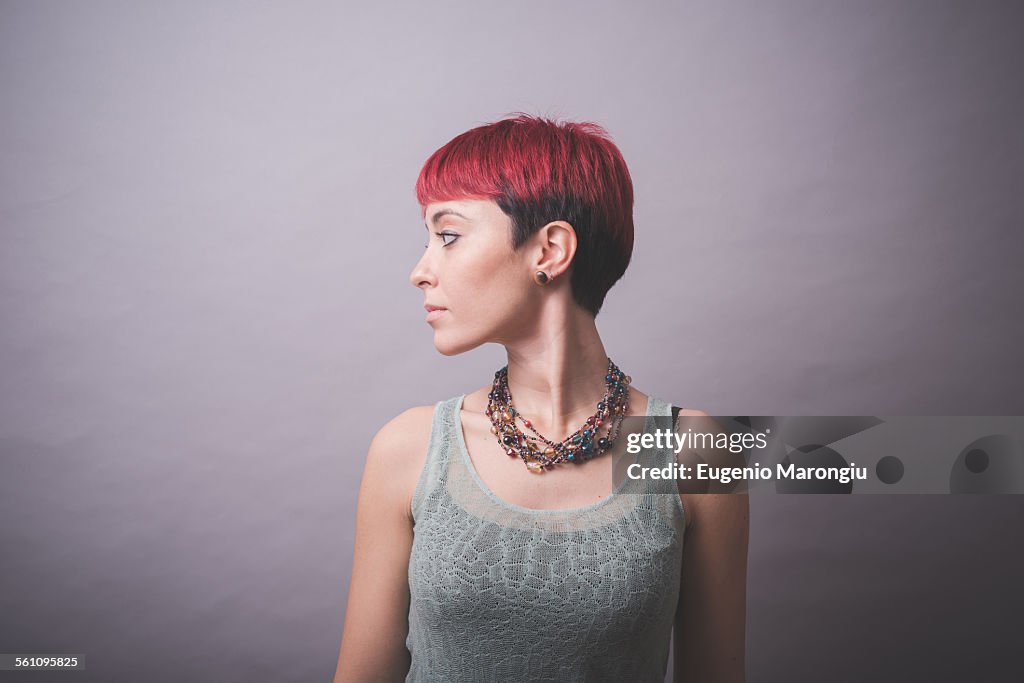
[(556, 371)]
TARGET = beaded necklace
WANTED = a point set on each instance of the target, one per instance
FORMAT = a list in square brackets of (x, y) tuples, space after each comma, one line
[(582, 445)]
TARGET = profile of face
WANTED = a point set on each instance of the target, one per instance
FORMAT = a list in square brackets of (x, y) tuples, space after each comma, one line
[(470, 271)]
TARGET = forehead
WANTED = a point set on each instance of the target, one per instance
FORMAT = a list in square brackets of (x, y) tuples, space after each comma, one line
[(471, 210)]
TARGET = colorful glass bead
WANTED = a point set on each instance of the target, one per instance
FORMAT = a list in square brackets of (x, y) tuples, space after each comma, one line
[(541, 454)]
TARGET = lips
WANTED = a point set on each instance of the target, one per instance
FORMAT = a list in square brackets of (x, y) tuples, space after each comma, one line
[(434, 312)]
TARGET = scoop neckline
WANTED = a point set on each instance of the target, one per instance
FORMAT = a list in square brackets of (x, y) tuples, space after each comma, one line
[(468, 462)]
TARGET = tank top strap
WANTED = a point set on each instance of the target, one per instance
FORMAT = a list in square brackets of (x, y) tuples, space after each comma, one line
[(662, 415), (659, 416), (442, 441)]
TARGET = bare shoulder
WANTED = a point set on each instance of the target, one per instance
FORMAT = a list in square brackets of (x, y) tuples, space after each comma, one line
[(691, 412), (397, 455), (399, 438)]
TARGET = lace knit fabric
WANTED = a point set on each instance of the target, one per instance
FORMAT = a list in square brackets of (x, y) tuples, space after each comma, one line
[(501, 592)]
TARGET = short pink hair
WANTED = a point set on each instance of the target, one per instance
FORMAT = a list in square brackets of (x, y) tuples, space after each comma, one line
[(538, 170)]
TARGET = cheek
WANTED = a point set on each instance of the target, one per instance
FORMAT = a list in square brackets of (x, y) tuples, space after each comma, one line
[(489, 291), (511, 300), (492, 275)]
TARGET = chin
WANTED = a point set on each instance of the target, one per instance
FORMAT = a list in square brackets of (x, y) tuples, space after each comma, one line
[(447, 346)]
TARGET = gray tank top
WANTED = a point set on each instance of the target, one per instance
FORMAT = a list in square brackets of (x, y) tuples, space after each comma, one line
[(501, 592)]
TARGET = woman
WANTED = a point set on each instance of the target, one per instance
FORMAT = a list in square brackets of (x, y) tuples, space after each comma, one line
[(489, 545)]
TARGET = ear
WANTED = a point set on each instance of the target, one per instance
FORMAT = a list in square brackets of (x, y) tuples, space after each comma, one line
[(556, 246)]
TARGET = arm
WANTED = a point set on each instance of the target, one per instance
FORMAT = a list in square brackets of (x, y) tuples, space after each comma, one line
[(376, 619), (710, 627)]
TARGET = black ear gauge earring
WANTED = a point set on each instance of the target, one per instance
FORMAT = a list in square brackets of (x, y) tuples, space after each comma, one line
[(541, 278)]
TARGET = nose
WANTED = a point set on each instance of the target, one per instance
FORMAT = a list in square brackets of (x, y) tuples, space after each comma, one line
[(423, 274)]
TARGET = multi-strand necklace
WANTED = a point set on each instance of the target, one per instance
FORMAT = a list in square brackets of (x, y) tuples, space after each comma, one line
[(596, 436)]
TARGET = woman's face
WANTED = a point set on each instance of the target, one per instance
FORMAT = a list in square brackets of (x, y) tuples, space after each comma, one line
[(469, 270)]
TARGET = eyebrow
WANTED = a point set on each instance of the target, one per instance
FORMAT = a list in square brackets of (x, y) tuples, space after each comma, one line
[(445, 212)]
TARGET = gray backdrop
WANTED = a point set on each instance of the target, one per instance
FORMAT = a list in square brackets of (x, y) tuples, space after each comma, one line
[(208, 223)]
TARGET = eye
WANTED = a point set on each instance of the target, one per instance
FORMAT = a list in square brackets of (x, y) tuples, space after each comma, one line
[(447, 234)]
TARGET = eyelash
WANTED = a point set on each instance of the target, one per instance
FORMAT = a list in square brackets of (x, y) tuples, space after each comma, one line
[(442, 235)]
